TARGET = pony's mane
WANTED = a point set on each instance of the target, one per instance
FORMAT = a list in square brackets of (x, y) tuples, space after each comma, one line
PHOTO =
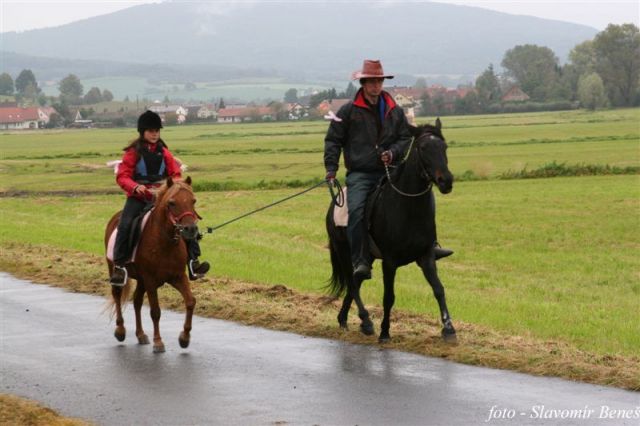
[(163, 190)]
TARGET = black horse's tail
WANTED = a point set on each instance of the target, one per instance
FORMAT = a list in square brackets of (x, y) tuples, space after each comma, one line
[(341, 269)]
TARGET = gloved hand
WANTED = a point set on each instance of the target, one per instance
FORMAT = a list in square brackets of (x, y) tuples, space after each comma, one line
[(330, 177), (386, 157)]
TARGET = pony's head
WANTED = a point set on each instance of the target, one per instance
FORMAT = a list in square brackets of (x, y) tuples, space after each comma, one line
[(176, 198), (432, 151)]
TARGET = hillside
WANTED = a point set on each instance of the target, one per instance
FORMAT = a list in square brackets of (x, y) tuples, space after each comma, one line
[(296, 40)]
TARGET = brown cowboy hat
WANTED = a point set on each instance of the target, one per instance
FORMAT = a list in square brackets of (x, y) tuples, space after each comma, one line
[(370, 69)]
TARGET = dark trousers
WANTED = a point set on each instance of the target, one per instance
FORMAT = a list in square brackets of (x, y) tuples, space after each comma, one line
[(360, 185), (132, 208)]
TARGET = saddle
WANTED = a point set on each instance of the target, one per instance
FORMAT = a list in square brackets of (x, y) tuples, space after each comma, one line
[(134, 236)]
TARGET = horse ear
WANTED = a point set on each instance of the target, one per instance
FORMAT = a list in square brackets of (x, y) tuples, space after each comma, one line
[(188, 180), (415, 131), (169, 182), (438, 123)]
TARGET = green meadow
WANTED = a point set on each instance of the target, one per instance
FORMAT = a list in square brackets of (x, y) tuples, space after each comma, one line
[(553, 258)]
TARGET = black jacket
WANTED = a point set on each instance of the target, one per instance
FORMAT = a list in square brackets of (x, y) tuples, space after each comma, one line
[(357, 134)]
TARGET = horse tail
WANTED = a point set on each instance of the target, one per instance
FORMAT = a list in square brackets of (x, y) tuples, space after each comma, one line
[(341, 269)]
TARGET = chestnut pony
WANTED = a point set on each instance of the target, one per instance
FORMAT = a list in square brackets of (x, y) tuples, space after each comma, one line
[(161, 257)]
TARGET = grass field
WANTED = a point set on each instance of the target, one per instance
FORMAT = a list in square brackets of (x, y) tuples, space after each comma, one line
[(552, 259)]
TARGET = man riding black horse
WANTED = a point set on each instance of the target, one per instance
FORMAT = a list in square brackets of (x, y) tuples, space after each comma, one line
[(373, 132)]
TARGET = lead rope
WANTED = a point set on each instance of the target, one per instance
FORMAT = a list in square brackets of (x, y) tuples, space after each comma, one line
[(210, 229)]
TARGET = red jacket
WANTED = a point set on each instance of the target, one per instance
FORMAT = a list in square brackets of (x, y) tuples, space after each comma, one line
[(127, 169)]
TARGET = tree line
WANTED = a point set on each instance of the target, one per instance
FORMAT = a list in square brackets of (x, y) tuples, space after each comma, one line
[(601, 72)]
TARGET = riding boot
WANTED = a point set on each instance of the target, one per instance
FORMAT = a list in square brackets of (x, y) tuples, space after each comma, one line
[(439, 251), (197, 269), (362, 265), (119, 275)]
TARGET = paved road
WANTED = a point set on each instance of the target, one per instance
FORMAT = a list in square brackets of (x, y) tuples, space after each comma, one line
[(57, 348)]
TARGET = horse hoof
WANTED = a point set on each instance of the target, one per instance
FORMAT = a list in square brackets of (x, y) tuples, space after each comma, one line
[(184, 341), (143, 340), (120, 335), (384, 339), (367, 328), (344, 326), (158, 348), (449, 336)]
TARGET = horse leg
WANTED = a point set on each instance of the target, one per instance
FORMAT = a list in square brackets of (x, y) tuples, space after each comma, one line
[(152, 294), (366, 326), (389, 274), (190, 302), (429, 269), (344, 311), (120, 332), (138, 298)]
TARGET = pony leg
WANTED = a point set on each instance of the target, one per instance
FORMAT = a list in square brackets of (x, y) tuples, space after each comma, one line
[(344, 311), (429, 269), (120, 332), (366, 326), (389, 274), (190, 303), (138, 297), (152, 294)]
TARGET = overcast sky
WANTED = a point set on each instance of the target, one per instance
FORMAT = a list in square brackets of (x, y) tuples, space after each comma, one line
[(21, 15)]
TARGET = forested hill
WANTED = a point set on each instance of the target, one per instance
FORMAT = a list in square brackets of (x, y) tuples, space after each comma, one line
[(301, 39)]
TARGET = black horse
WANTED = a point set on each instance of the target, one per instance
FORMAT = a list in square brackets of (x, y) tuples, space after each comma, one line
[(402, 226)]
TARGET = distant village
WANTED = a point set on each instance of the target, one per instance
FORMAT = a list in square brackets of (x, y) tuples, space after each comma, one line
[(411, 99)]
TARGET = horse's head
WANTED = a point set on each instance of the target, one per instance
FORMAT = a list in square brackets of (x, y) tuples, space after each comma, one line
[(432, 151), (178, 200)]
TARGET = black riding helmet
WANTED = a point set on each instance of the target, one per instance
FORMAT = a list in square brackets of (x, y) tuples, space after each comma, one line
[(149, 120)]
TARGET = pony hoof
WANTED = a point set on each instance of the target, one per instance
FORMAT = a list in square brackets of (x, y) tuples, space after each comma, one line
[(384, 339), (367, 328), (184, 341), (120, 335), (449, 336), (344, 326), (143, 340), (158, 348)]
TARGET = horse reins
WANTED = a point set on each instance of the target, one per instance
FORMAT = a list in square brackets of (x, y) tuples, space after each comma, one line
[(406, 194)]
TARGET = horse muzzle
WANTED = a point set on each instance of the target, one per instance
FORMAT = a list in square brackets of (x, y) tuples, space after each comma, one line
[(187, 232), (444, 182)]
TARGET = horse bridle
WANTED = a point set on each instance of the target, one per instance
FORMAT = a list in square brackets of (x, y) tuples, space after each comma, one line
[(175, 221), (425, 173), (178, 228)]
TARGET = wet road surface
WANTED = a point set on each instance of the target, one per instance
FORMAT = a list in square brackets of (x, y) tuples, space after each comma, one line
[(57, 348)]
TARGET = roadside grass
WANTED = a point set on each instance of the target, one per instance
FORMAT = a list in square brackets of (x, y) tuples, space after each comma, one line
[(18, 411)]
